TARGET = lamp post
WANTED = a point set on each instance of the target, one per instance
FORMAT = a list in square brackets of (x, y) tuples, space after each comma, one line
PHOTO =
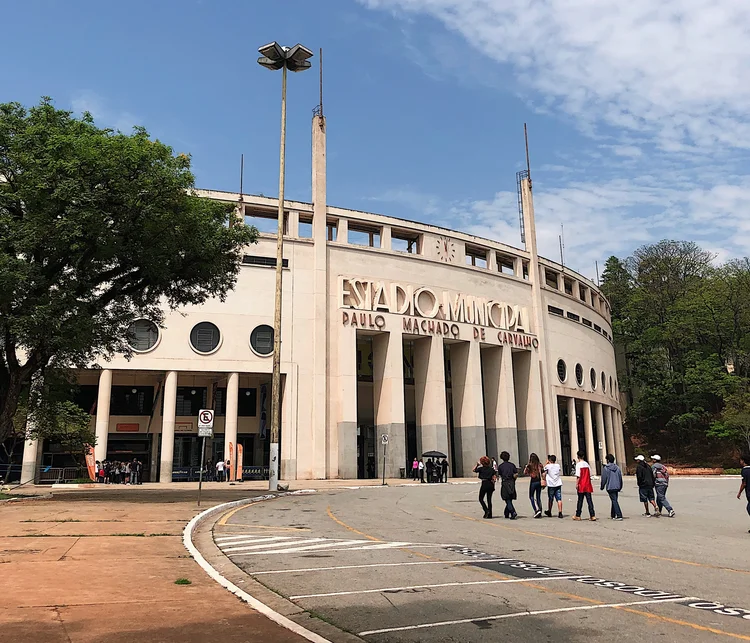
[(273, 56)]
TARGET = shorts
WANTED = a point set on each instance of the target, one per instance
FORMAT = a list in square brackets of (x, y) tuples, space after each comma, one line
[(554, 493), (646, 493)]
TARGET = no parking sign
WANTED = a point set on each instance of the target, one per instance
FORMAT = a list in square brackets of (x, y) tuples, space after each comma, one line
[(205, 423)]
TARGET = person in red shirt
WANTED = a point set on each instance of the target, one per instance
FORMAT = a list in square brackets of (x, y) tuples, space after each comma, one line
[(584, 487)]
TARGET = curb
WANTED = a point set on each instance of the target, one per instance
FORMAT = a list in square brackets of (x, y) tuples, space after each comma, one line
[(262, 608)]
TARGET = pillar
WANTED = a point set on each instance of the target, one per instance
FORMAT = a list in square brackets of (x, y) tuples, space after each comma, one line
[(167, 426), (230, 422), (518, 267), (29, 462), (102, 414), (388, 401), (429, 395), (572, 427), (344, 397), (288, 444), (602, 443), (342, 233), (468, 406), (530, 415), (589, 434), (501, 430), (385, 238), (619, 438), (610, 444)]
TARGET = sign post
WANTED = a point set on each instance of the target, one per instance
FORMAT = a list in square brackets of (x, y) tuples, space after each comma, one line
[(384, 442), (205, 430)]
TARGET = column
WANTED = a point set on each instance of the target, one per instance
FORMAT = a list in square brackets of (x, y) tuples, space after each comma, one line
[(518, 267), (288, 444), (102, 414), (344, 402), (492, 261), (532, 437), (602, 445), (589, 432), (620, 439), (342, 233), (388, 400), (610, 445), (501, 430), (29, 463), (230, 422), (429, 395), (468, 406), (573, 427), (167, 426), (385, 237)]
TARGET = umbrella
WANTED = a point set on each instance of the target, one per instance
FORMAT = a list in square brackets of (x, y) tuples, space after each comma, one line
[(433, 454)]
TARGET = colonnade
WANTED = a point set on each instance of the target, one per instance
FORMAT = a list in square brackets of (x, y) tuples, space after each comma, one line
[(609, 432)]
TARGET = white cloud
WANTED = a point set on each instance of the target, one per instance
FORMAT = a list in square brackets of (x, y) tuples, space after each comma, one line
[(675, 68), (104, 114)]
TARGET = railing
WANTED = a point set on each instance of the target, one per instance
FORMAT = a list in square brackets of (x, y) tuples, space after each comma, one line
[(191, 474)]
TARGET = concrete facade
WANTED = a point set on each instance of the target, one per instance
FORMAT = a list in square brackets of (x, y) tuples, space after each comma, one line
[(439, 339)]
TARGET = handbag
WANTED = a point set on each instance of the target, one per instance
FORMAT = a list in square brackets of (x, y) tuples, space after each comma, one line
[(543, 477)]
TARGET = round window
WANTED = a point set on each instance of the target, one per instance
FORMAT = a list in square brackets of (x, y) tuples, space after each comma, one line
[(579, 374), (261, 340), (592, 376), (142, 335), (562, 370), (205, 337), (604, 382)]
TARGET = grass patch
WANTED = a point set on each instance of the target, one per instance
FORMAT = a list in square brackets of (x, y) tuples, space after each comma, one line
[(5, 496), (63, 520), (163, 534), (183, 581), (732, 472), (141, 535)]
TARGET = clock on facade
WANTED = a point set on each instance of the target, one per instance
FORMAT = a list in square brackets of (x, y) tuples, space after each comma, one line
[(446, 249)]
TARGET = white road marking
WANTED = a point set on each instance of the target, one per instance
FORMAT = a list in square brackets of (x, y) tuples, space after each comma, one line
[(228, 539), (399, 589), (274, 544), (249, 541), (291, 548), (326, 569), (498, 617)]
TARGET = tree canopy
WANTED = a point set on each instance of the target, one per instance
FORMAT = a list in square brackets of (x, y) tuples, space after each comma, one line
[(682, 323), (97, 229)]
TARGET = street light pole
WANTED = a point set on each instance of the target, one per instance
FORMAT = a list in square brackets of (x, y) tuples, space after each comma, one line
[(274, 56), (273, 467)]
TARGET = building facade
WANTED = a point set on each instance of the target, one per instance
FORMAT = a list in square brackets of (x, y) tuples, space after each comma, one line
[(438, 339)]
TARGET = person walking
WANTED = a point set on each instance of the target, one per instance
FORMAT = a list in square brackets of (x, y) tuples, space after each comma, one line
[(661, 484), (415, 469), (612, 484), (584, 487), (534, 470), (645, 478), (220, 471), (508, 472), (488, 477), (552, 474), (421, 470), (134, 471), (745, 484), (444, 468)]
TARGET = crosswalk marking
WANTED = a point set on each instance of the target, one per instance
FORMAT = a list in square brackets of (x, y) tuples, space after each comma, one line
[(249, 541), (227, 539), (289, 550), (274, 544)]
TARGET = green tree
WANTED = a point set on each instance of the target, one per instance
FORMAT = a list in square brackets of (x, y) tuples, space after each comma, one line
[(97, 228)]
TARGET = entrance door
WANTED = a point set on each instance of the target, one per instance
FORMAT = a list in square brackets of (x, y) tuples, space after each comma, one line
[(367, 466), (124, 449)]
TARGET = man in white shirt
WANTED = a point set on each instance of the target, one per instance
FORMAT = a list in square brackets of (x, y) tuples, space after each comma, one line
[(552, 474), (220, 471)]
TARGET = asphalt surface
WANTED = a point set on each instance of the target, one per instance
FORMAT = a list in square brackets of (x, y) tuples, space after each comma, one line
[(420, 564)]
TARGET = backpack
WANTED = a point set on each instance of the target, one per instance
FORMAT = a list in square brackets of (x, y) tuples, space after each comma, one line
[(661, 474)]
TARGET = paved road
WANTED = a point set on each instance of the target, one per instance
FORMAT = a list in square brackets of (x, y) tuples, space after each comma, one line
[(420, 564)]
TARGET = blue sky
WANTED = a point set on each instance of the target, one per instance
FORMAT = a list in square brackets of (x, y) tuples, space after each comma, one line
[(637, 112)]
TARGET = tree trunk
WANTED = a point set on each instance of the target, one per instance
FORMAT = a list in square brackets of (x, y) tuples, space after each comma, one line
[(9, 406)]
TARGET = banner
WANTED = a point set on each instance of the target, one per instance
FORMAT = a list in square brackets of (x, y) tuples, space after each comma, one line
[(263, 413), (239, 462), (90, 461), (230, 470)]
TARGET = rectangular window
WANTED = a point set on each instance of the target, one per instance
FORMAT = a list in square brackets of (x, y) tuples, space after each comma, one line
[(364, 236), (268, 262), (526, 270), (247, 402), (266, 221), (597, 328), (305, 230), (131, 400), (332, 229), (574, 317), (554, 310), (550, 278), (405, 241), (505, 264), (568, 287), (476, 256), (582, 291), (586, 322), (190, 400)]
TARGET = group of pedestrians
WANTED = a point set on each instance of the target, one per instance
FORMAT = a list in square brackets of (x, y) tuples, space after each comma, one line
[(436, 470), (653, 483), (116, 472)]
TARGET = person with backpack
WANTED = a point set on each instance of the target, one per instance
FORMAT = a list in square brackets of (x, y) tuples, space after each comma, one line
[(584, 487), (612, 484), (661, 483), (645, 478)]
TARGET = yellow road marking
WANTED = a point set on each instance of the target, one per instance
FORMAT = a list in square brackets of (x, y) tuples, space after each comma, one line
[(602, 547)]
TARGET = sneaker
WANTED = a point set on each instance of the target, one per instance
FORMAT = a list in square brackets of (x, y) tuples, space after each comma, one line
[(593, 519), (671, 513), (576, 518), (647, 515), (538, 514), (560, 515), (619, 518), (514, 516), (548, 513)]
